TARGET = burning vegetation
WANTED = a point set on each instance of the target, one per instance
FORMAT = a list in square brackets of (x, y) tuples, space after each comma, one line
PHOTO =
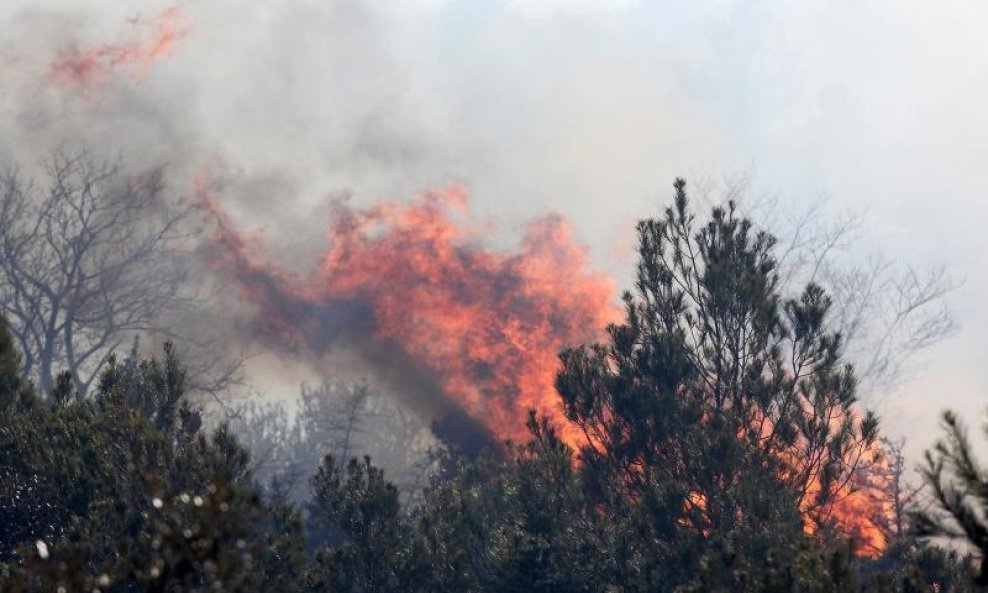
[(411, 286), (486, 325), (703, 434)]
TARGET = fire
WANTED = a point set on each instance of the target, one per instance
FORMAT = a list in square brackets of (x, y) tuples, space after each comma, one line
[(487, 324), (858, 510), (857, 507), (86, 69), (863, 508)]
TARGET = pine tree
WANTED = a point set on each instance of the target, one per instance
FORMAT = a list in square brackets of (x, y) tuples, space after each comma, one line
[(959, 493), (10, 365), (718, 399)]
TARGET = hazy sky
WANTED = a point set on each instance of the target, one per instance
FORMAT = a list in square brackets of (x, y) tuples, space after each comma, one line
[(587, 107)]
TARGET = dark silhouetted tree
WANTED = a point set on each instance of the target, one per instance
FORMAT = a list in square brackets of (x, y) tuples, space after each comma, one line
[(124, 491), (958, 494), (718, 386)]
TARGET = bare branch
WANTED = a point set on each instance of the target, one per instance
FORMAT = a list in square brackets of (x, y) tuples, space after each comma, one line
[(89, 257)]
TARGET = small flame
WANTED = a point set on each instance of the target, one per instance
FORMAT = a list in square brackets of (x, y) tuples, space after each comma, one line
[(87, 69)]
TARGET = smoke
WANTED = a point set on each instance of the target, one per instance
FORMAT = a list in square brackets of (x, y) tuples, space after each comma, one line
[(85, 69), (381, 99), (466, 330), (275, 107), (291, 103)]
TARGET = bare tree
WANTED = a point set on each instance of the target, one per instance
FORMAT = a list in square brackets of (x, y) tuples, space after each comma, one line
[(890, 486), (887, 311), (90, 258)]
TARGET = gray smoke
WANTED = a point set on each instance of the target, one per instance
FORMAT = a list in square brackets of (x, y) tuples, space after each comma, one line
[(377, 98), (587, 107)]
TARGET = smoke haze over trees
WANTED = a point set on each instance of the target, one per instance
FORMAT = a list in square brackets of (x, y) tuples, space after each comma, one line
[(704, 466), (91, 259), (301, 296)]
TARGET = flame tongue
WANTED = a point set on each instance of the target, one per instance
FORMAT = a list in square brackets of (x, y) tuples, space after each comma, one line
[(409, 289), (491, 324), (86, 69), (487, 325)]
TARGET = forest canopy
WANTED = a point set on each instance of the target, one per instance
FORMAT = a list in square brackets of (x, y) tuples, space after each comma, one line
[(722, 447)]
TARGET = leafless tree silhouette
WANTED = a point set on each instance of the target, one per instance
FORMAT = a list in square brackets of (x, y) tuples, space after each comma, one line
[(888, 311), (91, 258)]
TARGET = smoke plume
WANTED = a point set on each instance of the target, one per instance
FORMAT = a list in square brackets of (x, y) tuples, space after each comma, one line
[(416, 292), (262, 109)]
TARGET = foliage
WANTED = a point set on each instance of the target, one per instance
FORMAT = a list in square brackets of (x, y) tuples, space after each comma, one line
[(888, 311), (123, 488), (716, 381), (718, 418), (958, 492), (340, 420)]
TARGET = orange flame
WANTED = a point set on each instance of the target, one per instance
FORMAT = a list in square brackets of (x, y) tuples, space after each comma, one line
[(859, 505), (86, 69), (857, 510), (863, 507), (488, 324)]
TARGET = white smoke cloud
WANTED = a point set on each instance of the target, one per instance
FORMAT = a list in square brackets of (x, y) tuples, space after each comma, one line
[(531, 111), (552, 8), (587, 107)]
